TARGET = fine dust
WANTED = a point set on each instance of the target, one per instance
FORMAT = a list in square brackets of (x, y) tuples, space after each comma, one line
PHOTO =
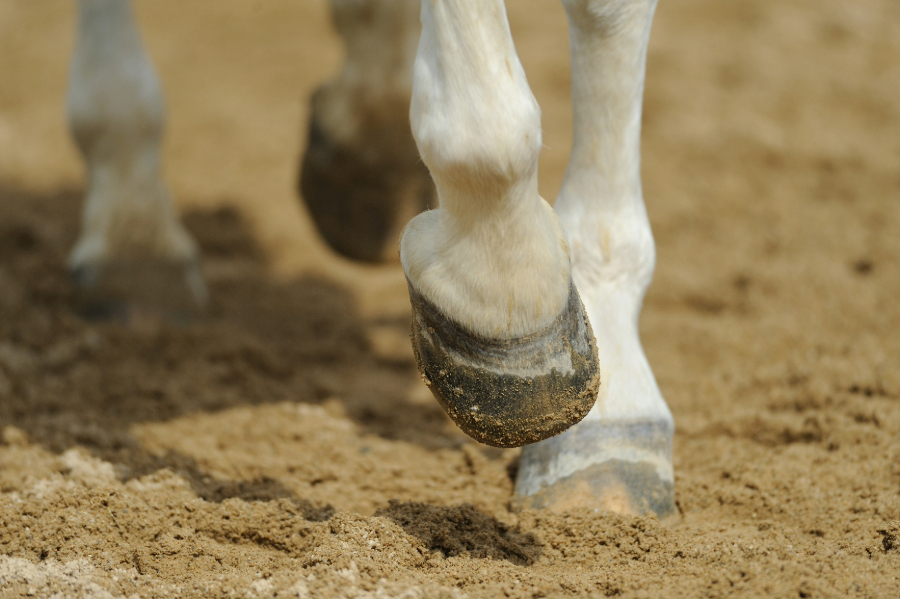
[(284, 446)]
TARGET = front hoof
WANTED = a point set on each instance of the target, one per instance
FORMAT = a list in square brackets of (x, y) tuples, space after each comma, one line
[(509, 392)]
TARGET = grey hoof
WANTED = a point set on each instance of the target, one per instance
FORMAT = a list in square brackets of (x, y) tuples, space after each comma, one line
[(622, 467), (130, 290), (361, 195), (509, 392)]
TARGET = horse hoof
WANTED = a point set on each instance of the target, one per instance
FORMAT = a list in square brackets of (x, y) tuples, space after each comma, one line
[(138, 290), (509, 392), (362, 192), (618, 466)]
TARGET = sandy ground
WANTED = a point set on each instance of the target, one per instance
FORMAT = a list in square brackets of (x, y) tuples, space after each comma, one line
[(284, 447)]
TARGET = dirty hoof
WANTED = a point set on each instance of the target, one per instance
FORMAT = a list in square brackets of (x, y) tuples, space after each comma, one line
[(616, 466), (509, 392), (361, 193), (139, 290)]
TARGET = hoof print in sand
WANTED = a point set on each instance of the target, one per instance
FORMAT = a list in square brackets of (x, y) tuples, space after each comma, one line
[(509, 392)]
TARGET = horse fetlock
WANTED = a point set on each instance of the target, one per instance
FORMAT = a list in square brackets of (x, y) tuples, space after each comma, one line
[(474, 118), (608, 17), (612, 253)]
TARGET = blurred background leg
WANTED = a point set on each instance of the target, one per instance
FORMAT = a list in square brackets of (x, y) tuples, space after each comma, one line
[(133, 254), (361, 176)]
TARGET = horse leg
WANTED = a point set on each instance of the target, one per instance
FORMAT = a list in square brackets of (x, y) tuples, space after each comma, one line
[(133, 254), (620, 456), (499, 330)]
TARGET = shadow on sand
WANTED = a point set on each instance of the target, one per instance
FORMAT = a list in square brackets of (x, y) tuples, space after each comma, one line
[(65, 381)]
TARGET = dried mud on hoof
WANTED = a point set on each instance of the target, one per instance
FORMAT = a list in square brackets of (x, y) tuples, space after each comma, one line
[(509, 392)]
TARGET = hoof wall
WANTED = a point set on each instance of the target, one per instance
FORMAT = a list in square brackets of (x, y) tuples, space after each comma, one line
[(509, 392), (618, 467), (139, 290), (620, 486), (361, 195)]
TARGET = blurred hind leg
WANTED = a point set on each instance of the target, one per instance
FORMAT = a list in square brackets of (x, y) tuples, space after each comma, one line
[(133, 254), (361, 177)]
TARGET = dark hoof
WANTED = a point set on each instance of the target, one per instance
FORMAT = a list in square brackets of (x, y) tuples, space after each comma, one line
[(361, 195), (509, 392), (137, 290)]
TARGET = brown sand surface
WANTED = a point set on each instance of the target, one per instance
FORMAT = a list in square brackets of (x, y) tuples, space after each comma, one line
[(283, 446)]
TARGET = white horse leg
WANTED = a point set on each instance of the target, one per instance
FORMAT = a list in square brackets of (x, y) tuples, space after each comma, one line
[(620, 456), (499, 331), (361, 176), (133, 251)]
